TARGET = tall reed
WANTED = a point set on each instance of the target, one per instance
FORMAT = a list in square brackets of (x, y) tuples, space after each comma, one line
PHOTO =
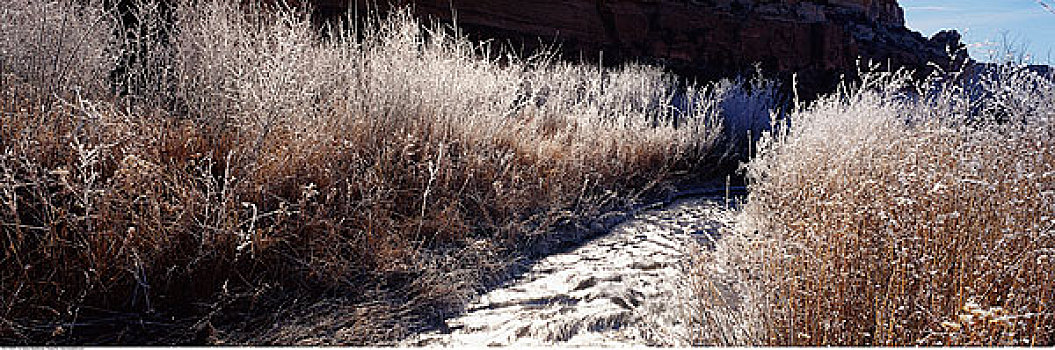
[(214, 174), (895, 214)]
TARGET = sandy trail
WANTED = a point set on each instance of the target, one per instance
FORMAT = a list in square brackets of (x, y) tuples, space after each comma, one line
[(624, 288)]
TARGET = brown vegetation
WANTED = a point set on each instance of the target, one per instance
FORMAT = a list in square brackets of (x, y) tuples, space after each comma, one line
[(260, 182), (897, 215)]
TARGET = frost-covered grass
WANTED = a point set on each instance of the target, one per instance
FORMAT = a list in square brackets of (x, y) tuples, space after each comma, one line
[(256, 166), (890, 214)]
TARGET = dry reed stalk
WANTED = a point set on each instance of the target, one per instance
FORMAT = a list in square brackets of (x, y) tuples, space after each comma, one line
[(253, 161), (893, 215)]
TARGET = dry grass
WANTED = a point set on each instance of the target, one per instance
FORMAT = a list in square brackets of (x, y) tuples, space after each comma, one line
[(255, 164), (880, 217)]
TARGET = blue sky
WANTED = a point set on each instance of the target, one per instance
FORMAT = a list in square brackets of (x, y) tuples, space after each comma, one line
[(983, 24)]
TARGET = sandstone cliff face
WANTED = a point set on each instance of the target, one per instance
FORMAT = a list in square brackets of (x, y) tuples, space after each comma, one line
[(818, 39)]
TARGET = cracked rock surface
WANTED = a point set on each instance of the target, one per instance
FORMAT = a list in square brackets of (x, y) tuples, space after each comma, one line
[(624, 288)]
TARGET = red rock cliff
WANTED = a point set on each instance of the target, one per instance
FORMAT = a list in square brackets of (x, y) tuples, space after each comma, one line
[(818, 39)]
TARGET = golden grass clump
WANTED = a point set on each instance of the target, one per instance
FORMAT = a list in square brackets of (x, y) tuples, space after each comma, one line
[(236, 166), (892, 215)]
